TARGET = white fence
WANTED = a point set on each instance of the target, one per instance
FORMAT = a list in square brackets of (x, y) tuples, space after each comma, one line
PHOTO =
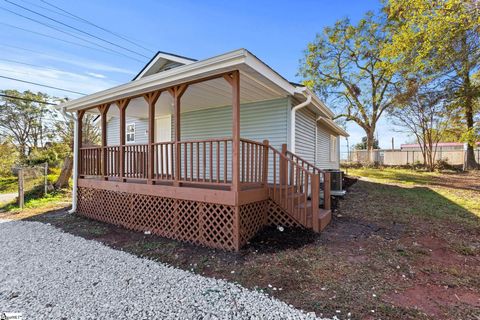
[(404, 157)]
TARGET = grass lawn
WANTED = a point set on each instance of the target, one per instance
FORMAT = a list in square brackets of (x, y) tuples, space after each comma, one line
[(431, 193), (8, 185), (402, 245)]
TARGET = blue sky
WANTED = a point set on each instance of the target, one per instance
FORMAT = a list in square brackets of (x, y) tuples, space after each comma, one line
[(276, 31)]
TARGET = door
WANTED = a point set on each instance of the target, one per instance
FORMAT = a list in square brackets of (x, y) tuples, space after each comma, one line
[(163, 133), (163, 129)]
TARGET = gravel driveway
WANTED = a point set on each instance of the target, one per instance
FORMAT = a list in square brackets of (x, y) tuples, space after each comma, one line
[(48, 274)]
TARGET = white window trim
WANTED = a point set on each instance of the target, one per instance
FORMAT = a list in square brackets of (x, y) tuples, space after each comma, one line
[(333, 148), (127, 133)]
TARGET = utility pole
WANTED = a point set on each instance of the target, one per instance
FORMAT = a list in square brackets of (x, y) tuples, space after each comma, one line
[(393, 143)]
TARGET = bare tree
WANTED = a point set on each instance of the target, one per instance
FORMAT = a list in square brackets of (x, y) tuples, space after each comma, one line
[(423, 111)]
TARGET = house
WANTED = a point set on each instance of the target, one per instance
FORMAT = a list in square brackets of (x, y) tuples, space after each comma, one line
[(206, 151)]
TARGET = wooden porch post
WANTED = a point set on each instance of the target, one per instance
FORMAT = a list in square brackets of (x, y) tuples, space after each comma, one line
[(122, 106), (315, 192), (326, 191), (151, 99), (265, 162), (80, 114), (283, 166), (177, 93), (234, 80), (235, 131), (103, 113)]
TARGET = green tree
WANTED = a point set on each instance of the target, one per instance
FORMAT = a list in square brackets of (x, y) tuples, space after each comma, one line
[(345, 66), (8, 157), (363, 145), (440, 37), (24, 122)]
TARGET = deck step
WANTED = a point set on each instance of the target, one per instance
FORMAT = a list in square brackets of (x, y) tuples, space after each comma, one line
[(325, 216)]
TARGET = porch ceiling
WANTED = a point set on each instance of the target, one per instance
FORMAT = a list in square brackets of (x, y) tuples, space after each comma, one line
[(258, 82), (203, 95)]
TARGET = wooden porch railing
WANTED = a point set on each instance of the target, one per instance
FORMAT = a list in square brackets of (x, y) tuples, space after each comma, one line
[(164, 161), (252, 162), (206, 161), (112, 159), (292, 182), (294, 188), (324, 176), (90, 161)]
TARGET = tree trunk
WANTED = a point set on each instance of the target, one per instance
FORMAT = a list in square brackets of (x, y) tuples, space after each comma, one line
[(470, 162), (370, 143), (65, 174)]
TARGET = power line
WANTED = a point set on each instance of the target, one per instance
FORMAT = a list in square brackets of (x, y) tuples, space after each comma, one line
[(55, 38), (31, 65), (95, 25), (39, 66), (42, 85), (25, 99), (79, 30), (69, 33)]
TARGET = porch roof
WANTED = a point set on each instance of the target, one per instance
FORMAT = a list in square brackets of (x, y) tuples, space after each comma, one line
[(258, 82)]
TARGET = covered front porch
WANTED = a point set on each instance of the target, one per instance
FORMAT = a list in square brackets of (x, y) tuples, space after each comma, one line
[(216, 191)]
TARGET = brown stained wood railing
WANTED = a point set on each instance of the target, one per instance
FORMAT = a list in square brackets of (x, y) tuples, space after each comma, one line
[(206, 161), (90, 161), (315, 170), (164, 161), (113, 161), (136, 161), (252, 162), (304, 163), (294, 188)]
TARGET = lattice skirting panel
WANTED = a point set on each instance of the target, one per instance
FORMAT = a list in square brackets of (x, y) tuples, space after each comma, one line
[(276, 216), (207, 224), (253, 216)]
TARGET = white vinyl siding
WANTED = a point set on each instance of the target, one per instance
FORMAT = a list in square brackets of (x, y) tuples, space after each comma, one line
[(113, 130), (305, 122), (324, 149), (258, 121), (333, 148)]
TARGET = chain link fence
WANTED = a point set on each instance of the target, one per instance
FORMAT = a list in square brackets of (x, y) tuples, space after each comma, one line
[(32, 182)]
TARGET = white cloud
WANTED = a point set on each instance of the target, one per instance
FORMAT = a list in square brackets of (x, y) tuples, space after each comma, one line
[(96, 75), (61, 79)]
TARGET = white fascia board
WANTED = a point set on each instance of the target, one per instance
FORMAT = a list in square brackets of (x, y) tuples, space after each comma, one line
[(185, 73), (319, 104), (269, 73), (333, 126), (161, 55)]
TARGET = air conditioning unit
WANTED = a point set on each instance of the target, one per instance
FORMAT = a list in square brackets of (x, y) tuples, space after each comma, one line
[(336, 182)]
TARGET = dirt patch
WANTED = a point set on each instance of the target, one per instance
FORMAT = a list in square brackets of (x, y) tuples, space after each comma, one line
[(276, 239), (435, 301)]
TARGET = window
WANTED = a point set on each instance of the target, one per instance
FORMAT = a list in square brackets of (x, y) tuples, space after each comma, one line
[(333, 148), (130, 132)]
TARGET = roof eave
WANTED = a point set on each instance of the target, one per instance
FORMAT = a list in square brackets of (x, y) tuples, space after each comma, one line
[(194, 71), (333, 126)]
